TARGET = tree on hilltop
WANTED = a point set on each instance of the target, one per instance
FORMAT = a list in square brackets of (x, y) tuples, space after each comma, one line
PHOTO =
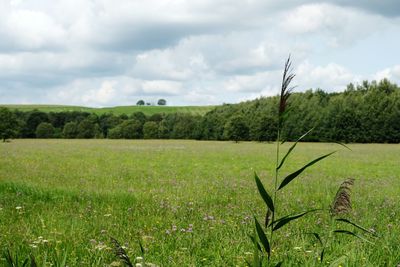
[(162, 102)]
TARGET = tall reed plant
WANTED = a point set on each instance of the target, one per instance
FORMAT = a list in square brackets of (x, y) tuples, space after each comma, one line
[(263, 238)]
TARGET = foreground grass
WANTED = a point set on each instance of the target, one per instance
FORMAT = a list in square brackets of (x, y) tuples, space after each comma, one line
[(189, 203), (147, 110)]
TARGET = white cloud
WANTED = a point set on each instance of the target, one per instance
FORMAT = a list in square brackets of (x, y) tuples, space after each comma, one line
[(201, 51), (331, 77), (392, 73), (339, 25), (31, 30), (162, 87)]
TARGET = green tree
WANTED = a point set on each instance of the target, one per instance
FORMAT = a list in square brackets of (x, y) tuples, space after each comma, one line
[(34, 118), (236, 129), (140, 116), (162, 102), (264, 128), (115, 133), (150, 130), (184, 127), (140, 103), (70, 130), (129, 129), (44, 130), (88, 129), (8, 124)]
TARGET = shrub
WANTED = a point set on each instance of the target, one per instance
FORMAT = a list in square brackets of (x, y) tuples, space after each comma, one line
[(150, 130), (44, 130), (236, 129), (70, 130)]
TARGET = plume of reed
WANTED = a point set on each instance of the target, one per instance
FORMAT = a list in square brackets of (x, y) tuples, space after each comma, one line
[(285, 89), (120, 252), (342, 201)]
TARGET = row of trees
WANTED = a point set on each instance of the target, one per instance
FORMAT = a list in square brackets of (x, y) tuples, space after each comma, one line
[(369, 112), (160, 102)]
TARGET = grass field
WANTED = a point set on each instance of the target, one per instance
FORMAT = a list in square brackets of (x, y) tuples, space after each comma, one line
[(148, 110), (190, 203)]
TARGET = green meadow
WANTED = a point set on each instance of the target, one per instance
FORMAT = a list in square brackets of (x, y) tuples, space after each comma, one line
[(190, 203), (118, 110)]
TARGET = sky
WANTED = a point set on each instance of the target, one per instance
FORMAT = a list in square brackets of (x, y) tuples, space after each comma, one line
[(196, 52)]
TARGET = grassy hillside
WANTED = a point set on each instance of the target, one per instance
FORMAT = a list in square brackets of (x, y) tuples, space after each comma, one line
[(148, 110)]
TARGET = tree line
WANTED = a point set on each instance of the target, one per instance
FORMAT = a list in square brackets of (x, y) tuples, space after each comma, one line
[(365, 113)]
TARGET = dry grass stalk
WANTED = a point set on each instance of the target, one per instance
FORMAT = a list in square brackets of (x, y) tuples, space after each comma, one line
[(121, 253), (342, 202)]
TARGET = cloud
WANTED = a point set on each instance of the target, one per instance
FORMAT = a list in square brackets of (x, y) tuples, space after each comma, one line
[(161, 87), (331, 77), (27, 30), (392, 73), (338, 25), (201, 51)]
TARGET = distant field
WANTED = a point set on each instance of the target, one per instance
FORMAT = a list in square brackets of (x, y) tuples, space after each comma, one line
[(148, 110), (190, 203)]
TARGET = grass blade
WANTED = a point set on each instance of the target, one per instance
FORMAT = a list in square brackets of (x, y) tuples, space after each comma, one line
[(356, 225), (285, 220), (267, 198), (293, 175), (253, 239), (343, 145), (322, 255), (9, 258), (263, 238), (352, 234), (291, 149), (33, 261), (316, 235)]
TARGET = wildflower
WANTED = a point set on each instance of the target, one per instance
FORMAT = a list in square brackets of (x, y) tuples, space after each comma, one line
[(297, 248), (107, 215), (138, 265), (18, 207), (139, 259), (168, 232)]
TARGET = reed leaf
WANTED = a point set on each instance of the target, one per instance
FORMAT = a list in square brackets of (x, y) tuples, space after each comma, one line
[(293, 175), (291, 149), (316, 235), (346, 232), (267, 198), (263, 238), (285, 220), (357, 226)]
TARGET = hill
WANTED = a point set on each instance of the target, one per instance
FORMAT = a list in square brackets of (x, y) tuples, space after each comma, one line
[(148, 110)]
